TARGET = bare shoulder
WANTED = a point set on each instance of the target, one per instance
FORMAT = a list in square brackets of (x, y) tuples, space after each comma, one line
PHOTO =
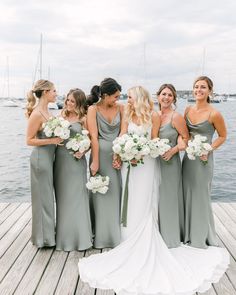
[(92, 109), (121, 106), (155, 115), (215, 114), (187, 109), (36, 116), (178, 119)]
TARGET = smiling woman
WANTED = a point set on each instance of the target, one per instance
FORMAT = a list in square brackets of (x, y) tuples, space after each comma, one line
[(104, 123), (203, 119)]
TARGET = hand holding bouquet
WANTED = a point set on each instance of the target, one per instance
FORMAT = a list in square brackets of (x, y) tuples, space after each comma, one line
[(98, 184), (158, 147), (79, 143), (131, 148), (197, 147)]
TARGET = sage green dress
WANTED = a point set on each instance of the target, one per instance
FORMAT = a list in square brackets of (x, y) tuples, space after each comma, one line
[(42, 194), (197, 178), (73, 225), (171, 205), (106, 208)]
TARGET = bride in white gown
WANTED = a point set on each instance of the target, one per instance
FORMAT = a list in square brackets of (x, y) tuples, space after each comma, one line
[(142, 264)]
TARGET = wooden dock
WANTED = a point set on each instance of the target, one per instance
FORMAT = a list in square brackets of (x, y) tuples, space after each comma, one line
[(24, 269)]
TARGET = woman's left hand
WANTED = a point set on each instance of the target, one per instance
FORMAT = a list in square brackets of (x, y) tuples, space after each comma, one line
[(204, 158), (78, 155), (169, 154)]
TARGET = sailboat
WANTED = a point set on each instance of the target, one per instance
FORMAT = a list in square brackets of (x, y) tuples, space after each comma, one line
[(9, 102)]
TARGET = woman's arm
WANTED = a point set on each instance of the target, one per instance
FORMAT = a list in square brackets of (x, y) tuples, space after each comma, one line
[(123, 123), (93, 131), (34, 125), (180, 125), (156, 123), (219, 124)]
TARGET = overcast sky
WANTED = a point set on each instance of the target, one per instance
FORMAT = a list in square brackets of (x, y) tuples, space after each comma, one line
[(146, 42)]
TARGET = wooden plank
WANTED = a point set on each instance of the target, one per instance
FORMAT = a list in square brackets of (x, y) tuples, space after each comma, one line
[(52, 274), (225, 236), (209, 292), (84, 288), (233, 205), (8, 211), (231, 271), (224, 287), (70, 274), (8, 259), (14, 276), (229, 210), (105, 292), (14, 231), (29, 282), (3, 206), (229, 224), (8, 223)]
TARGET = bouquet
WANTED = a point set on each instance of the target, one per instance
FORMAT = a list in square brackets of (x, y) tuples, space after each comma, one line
[(131, 148), (57, 126), (98, 184), (197, 147), (158, 147), (79, 143)]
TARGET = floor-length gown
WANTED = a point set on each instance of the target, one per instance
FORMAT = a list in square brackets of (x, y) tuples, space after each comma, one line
[(73, 225), (42, 194), (171, 205), (197, 178), (142, 264), (105, 209)]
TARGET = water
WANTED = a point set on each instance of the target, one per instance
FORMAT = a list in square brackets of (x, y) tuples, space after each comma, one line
[(14, 156)]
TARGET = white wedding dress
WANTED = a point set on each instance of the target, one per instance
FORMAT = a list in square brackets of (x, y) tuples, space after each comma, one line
[(142, 264)]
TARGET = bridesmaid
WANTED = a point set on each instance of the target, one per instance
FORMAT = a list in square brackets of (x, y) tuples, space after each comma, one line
[(41, 163), (171, 206), (203, 119), (104, 120), (73, 226)]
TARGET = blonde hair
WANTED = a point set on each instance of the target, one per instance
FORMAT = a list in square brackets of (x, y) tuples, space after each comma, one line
[(80, 102), (36, 91), (142, 107)]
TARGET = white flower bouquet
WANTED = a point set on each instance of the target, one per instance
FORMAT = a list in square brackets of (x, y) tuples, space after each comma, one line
[(98, 184), (79, 143), (198, 147), (57, 126), (131, 147), (158, 147)]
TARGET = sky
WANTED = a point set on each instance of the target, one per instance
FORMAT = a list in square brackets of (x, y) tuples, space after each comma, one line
[(148, 43)]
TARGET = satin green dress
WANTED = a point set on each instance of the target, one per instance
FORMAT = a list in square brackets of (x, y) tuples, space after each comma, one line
[(197, 179), (42, 194), (73, 225), (106, 208), (171, 205)]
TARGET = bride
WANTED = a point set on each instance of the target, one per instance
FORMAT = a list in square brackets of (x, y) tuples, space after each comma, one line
[(142, 264)]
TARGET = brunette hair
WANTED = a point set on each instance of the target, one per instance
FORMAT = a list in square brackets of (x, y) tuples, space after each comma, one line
[(108, 86)]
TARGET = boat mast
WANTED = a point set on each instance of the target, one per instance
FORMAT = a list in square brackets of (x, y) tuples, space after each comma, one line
[(41, 56), (8, 78)]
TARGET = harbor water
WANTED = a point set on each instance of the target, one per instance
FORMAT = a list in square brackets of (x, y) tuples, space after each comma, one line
[(14, 155)]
